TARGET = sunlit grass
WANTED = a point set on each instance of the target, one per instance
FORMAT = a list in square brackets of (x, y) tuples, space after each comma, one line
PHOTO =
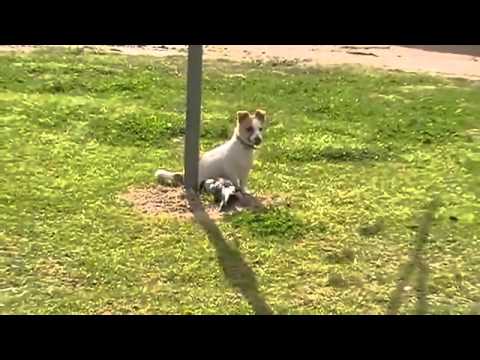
[(356, 156)]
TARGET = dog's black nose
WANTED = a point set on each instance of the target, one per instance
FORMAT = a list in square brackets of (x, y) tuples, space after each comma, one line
[(257, 141)]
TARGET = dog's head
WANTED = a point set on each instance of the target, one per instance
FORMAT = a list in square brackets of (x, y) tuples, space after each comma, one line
[(250, 127)]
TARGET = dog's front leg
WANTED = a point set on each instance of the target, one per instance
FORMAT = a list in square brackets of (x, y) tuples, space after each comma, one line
[(238, 184), (243, 186)]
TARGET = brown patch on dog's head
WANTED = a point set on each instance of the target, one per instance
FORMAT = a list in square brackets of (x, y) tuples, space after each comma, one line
[(250, 126), (242, 116), (261, 115), (244, 121)]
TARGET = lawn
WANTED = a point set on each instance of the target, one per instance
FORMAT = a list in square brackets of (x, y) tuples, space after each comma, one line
[(356, 155)]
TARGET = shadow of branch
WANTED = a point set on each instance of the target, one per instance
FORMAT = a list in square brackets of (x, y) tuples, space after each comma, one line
[(236, 270), (416, 262)]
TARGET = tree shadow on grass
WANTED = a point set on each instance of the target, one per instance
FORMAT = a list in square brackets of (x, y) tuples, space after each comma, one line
[(236, 270), (416, 262), (337, 154)]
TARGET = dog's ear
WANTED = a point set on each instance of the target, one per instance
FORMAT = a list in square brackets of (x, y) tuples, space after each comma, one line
[(261, 115), (242, 116)]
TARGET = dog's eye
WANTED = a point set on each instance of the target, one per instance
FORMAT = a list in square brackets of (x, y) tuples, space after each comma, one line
[(261, 129), (250, 129)]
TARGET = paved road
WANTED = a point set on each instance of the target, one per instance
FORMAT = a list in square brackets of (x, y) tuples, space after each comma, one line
[(472, 50)]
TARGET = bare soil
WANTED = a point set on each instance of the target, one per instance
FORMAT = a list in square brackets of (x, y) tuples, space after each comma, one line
[(172, 201), (445, 60)]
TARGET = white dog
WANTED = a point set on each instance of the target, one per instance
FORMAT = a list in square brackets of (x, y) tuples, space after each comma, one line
[(232, 160)]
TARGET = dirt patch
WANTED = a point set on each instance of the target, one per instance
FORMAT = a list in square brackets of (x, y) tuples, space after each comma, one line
[(159, 200), (446, 60)]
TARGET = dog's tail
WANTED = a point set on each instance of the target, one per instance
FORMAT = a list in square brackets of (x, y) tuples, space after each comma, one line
[(169, 178)]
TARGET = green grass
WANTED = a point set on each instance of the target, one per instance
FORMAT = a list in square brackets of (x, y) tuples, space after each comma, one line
[(355, 154)]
